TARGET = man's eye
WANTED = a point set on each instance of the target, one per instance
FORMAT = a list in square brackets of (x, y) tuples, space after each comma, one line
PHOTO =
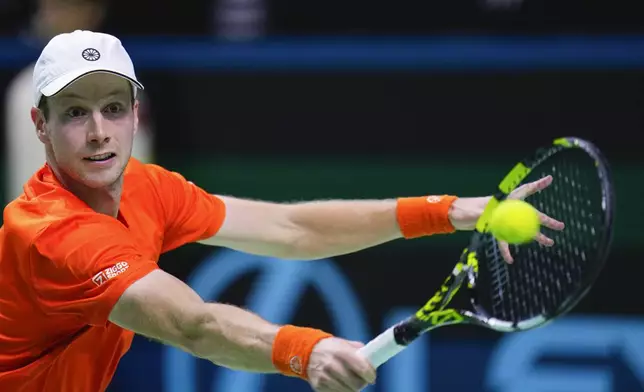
[(114, 108), (75, 112)]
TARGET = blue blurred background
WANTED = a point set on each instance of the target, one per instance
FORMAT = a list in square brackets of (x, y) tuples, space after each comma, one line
[(285, 100)]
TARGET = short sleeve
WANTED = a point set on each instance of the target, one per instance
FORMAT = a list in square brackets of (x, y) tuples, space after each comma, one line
[(81, 266), (191, 214)]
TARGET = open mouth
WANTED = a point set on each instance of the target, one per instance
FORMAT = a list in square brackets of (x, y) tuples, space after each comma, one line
[(100, 157)]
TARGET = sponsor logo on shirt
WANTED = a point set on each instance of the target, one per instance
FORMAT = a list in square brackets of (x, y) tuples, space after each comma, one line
[(110, 272)]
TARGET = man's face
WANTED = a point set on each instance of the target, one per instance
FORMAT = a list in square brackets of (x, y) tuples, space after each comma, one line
[(90, 129)]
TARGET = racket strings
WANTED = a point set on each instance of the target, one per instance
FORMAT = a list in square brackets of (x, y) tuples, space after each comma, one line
[(541, 279)]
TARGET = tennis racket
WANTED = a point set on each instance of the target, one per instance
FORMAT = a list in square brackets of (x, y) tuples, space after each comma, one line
[(543, 282)]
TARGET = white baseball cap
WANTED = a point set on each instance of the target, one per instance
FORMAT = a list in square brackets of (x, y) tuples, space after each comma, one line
[(70, 56)]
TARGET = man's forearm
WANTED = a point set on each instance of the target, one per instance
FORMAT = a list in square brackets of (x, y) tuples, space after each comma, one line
[(163, 308), (332, 228), (235, 338), (335, 227)]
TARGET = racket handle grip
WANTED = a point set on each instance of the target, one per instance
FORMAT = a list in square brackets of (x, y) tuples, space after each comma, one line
[(380, 349)]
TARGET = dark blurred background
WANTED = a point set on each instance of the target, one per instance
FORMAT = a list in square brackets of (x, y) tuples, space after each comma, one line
[(285, 100)]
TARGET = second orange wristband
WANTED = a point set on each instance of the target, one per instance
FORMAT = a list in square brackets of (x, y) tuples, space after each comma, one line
[(423, 216), (292, 348)]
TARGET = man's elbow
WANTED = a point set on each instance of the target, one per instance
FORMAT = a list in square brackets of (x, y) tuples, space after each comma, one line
[(200, 333), (212, 336), (299, 245), (283, 238)]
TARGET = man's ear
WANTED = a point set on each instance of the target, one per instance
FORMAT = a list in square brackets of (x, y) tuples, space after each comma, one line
[(38, 118), (135, 109)]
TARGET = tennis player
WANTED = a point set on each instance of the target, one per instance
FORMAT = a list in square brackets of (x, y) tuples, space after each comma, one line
[(79, 248)]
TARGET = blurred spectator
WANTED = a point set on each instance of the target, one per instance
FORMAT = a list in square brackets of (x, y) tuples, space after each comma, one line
[(25, 153), (239, 19)]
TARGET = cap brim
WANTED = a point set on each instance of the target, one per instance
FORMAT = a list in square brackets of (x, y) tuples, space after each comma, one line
[(59, 84)]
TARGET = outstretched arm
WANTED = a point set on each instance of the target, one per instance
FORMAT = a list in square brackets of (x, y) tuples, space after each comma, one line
[(307, 230), (163, 308), (318, 229)]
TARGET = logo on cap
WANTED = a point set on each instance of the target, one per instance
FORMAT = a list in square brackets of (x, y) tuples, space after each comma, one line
[(91, 54)]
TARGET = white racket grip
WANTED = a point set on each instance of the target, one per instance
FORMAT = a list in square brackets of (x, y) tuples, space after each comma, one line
[(381, 348)]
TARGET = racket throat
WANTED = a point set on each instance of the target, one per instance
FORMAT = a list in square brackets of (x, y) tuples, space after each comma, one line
[(408, 330)]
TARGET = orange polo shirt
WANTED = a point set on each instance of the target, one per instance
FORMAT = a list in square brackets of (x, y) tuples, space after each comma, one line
[(63, 267)]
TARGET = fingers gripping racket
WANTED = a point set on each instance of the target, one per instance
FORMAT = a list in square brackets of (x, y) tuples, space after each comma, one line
[(543, 282)]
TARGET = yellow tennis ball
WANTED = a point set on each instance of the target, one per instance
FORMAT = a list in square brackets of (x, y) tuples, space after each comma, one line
[(514, 221)]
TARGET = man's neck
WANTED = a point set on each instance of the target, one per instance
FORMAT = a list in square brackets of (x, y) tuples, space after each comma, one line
[(102, 200)]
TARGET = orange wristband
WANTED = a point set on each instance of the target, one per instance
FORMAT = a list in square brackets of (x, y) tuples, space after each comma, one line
[(422, 216), (292, 348)]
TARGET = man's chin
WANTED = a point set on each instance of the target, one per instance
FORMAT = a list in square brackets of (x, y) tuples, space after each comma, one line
[(105, 179)]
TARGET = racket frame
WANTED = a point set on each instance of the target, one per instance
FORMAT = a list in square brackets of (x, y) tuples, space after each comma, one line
[(433, 314)]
